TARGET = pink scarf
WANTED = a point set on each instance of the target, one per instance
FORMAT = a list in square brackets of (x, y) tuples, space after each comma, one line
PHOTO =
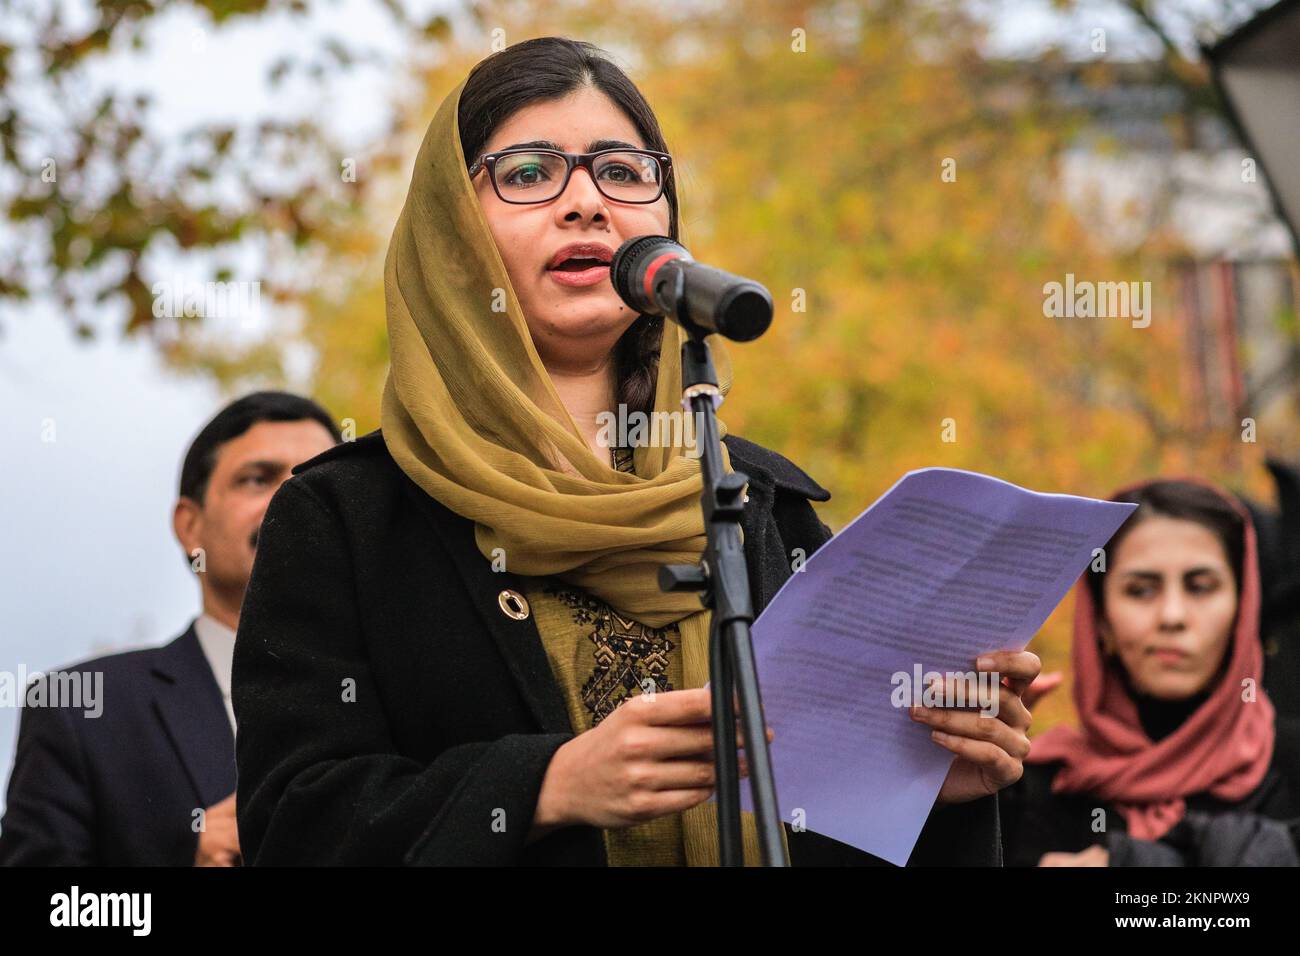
[(1224, 748)]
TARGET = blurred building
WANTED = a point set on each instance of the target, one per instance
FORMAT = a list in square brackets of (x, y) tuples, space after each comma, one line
[(1159, 167)]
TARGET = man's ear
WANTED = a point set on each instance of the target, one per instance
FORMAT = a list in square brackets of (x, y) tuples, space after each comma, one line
[(187, 524)]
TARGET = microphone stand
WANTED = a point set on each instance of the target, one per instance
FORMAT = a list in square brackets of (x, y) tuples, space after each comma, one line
[(722, 577)]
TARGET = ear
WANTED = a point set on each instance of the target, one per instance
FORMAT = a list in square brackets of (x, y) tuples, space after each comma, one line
[(187, 524)]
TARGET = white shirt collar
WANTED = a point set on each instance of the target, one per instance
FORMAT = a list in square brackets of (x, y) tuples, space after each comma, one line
[(218, 643)]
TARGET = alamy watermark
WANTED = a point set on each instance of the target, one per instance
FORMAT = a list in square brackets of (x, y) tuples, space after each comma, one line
[(177, 299), (133, 911), (626, 429), (1101, 300), (951, 689), (78, 690)]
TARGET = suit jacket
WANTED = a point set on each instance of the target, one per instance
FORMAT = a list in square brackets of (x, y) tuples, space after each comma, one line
[(390, 711), (121, 789)]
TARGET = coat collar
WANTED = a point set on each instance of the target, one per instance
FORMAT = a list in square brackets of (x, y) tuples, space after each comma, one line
[(772, 468), (188, 702)]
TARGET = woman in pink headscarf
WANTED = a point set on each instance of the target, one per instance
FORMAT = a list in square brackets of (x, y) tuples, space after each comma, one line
[(1180, 759)]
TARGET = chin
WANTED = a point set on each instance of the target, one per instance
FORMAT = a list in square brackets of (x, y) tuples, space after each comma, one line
[(594, 315), (1172, 687)]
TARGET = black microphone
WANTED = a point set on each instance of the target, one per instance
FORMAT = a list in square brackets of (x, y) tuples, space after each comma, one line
[(645, 270)]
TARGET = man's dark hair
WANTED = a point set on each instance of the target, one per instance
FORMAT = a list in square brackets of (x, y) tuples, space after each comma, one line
[(549, 68), (235, 419)]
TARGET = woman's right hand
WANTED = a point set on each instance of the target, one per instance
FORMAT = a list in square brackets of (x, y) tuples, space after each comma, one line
[(652, 756)]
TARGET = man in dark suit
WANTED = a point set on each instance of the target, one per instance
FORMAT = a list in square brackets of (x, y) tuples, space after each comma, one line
[(140, 769)]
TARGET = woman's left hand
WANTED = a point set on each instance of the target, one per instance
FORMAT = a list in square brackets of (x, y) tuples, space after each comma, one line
[(990, 749)]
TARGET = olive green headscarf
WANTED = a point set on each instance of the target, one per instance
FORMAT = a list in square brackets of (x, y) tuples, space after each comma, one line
[(471, 415)]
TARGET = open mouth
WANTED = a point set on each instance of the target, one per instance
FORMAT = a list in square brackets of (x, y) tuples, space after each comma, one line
[(580, 265), (580, 272)]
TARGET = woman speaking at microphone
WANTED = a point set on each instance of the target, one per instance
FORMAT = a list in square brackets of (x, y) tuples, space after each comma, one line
[(453, 622)]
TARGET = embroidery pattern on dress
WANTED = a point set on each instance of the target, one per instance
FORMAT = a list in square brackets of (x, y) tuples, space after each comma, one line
[(626, 653), (621, 459)]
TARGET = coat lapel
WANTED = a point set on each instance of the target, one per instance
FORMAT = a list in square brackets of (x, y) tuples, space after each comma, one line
[(776, 470), (765, 550), (188, 702), (518, 641)]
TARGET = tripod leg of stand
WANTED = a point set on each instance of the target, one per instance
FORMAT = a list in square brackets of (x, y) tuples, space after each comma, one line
[(740, 654), (730, 848)]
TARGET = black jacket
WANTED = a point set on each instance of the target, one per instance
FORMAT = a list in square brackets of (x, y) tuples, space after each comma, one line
[(120, 789), (1260, 829), (391, 712)]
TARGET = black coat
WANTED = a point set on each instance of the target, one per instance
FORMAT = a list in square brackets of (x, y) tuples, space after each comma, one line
[(1214, 832), (390, 711), (121, 789)]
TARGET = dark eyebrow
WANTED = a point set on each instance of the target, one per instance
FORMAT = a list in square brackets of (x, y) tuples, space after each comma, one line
[(1156, 576), (593, 147), (262, 464)]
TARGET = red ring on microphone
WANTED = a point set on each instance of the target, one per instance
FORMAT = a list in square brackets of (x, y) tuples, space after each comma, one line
[(652, 268)]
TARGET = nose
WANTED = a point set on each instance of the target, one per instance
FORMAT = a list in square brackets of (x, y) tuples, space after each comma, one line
[(1173, 610), (581, 201)]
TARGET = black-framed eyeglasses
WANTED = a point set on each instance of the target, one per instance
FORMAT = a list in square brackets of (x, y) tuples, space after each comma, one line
[(539, 175)]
